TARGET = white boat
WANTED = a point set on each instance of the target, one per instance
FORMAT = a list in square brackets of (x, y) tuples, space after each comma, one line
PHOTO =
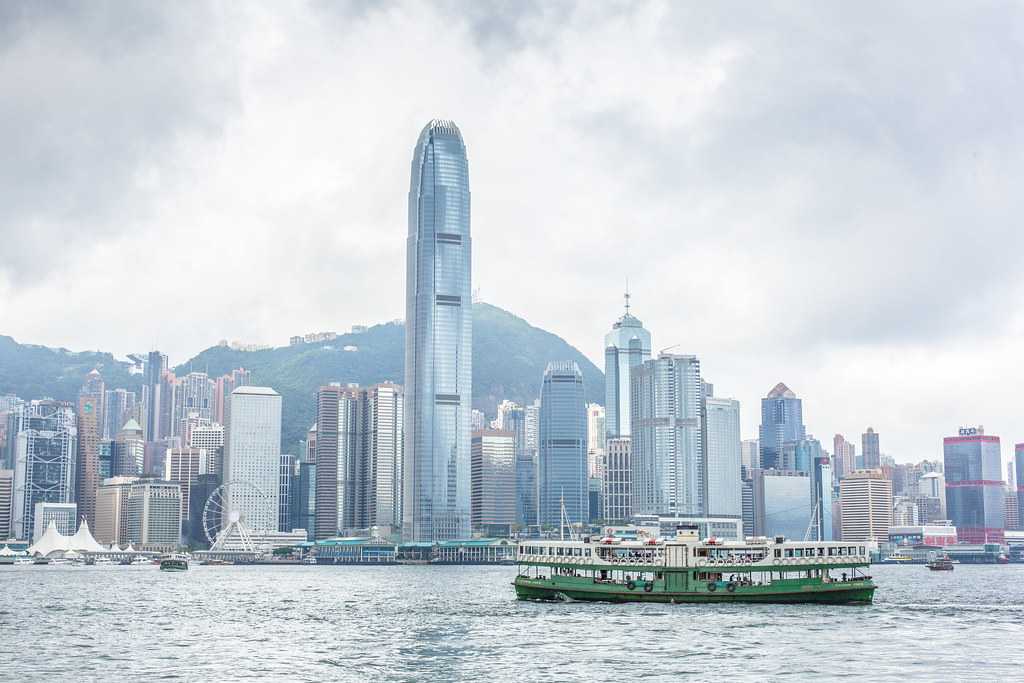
[(23, 562), (103, 560), (60, 562), (141, 559)]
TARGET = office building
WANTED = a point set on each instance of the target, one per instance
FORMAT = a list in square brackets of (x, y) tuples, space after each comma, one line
[(112, 511), (45, 460), (870, 449), (152, 394), (626, 346), (782, 503), (304, 500), (199, 494), (378, 473), (87, 477), (822, 488), (154, 514), (336, 447), (724, 487), (782, 420), (1019, 479), (866, 500), (210, 438), (438, 339), (183, 466), (562, 460), (129, 451), (750, 454), (595, 439), (844, 456), (6, 504), (669, 476), (974, 485), (289, 476), (64, 515), (119, 407), (493, 479), (254, 455), (94, 390), (617, 485)]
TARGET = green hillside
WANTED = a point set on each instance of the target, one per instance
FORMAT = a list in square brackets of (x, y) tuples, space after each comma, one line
[(509, 356)]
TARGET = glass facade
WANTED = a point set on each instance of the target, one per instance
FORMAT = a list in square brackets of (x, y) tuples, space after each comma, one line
[(724, 490), (975, 501), (669, 469), (438, 339), (254, 457), (782, 420), (562, 463), (625, 347), (783, 505)]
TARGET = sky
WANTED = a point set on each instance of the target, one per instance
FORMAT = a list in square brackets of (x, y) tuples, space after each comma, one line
[(825, 194)]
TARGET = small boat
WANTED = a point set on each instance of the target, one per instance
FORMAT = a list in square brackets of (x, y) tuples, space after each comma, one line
[(23, 562), (103, 561), (60, 562), (215, 562), (940, 564), (897, 559), (141, 559), (309, 560), (175, 562)]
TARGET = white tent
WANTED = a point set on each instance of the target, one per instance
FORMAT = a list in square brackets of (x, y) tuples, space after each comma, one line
[(7, 552), (53, 541)]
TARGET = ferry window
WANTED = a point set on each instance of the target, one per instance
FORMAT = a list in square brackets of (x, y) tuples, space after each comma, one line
[(778, 553), (851, 550), (789, 552), (821, 552), (577, 551), (862, 550), (831, 551), (842, 551), (799, 552)]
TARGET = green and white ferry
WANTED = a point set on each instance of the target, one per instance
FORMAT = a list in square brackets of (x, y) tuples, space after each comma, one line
[(687, 569)]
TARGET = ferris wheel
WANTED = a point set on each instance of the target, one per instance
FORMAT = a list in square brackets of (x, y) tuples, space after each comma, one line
[(223, 523)]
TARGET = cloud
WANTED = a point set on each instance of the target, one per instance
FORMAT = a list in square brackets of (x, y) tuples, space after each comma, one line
[(820, 194)]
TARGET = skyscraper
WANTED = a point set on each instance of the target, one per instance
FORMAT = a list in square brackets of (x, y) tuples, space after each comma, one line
[(782, 420), (87, 477), (95, 390), (493, 499), (724, 487), (118, 407), (595, 439), (865, 497), (821, 493), (870, 449), (617, 486), (845, 454), (974, 486), (254, 456), (156, 366), (667, 400), (626, 346), (44, 466), (379, 469), (6, 503), (438, 339), (562, 461), (193, 398), (1019, 472)]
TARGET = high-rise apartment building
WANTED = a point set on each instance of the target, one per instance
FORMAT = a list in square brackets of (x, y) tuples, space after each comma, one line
[(724, 487), (438, 339), (253, 457), (493, 479), (562, 462), (782, 420), (94, 389), (193, 401), (112, 511), (865, 497), (154, 515), (871, 449), (974, 482), (335, 446), (626, 346), (617, 485), (667, 400), (595, 440), (6, 504), (45, 460), (845, 454), (87, 478)]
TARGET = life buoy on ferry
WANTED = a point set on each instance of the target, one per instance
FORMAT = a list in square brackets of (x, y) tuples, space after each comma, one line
[(648, 587), (631, 584), (712, 586), (731, 587)]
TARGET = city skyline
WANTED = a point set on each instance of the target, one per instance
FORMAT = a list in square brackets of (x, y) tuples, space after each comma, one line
[(874, 236)]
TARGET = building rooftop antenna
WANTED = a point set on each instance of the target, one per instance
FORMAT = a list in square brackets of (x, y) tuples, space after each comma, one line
[(626, 296)]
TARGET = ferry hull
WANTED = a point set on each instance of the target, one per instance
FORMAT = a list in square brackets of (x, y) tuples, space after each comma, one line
[(853, 593)]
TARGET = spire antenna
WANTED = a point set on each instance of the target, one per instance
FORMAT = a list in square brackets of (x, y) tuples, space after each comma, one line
[(626, 296)]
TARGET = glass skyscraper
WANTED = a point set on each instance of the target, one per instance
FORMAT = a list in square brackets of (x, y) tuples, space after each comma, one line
[(724, 487), (667, 402), (975, 500), (562, 463), (625, 347), (782, 420), (438, 339)]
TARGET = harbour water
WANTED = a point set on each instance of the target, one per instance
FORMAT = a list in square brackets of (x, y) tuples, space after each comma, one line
[(314, 623)]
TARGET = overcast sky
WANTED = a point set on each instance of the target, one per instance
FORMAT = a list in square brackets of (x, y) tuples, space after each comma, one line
[(825, 194)]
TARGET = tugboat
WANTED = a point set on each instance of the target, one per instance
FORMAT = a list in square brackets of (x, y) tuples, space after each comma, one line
[(175, 562), (940, 564), (686, 569)]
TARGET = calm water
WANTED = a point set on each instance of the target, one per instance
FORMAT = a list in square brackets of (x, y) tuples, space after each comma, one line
[(448, 623)]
